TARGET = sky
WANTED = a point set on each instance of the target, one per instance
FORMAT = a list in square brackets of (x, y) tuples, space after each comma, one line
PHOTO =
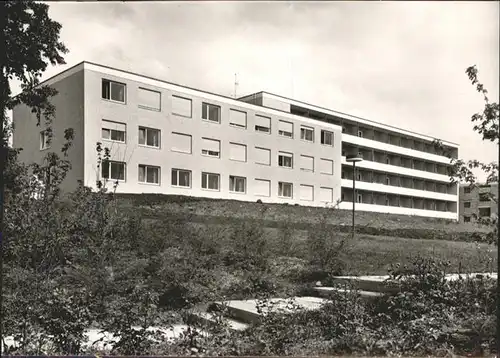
[(398, 63)]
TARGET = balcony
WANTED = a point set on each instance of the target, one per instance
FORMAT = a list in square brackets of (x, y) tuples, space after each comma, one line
[(383, 188), (392, 146), (388, 168)]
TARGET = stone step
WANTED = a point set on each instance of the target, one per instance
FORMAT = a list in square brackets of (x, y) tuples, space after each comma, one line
[(209, 319), (379, 284), (367, 283), (327, 292), (246, 310)]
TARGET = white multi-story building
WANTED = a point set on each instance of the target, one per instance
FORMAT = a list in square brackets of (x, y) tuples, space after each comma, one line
[(170, 139)]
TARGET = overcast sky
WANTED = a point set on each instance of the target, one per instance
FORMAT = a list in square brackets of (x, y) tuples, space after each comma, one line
[(399, 63)]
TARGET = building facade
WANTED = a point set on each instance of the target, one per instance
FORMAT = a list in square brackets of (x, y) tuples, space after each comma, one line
[(169, 139), (476, 202), (402, 172)]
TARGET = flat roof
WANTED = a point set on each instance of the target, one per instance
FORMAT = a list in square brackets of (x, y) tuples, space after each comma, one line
[(345, 115)]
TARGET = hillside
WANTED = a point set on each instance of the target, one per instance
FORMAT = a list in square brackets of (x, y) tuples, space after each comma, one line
[(298, 217)]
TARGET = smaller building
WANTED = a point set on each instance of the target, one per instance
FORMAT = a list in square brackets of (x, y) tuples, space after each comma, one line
[(476, 202)]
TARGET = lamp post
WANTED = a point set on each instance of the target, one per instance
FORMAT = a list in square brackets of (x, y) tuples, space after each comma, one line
[(353, 159)]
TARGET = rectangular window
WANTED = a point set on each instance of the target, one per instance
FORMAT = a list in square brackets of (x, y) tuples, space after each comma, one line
[(262, 156), (210, 147), (326, 195), (306, 163), (181, 178), (262, 187), (285, 160), (466, 190), (238, 152), (359, 198), (484, 197), (326, 137), (44, 140), (149, 174), (262, 124), (326, 166), (113, 91), (484, 212), (210, 181), (237, 184), (210, 112), (113, 131), (149, 99), (182, 106), (467, 204), (182, 143), (285, 129), (466, 219), (285, 190), (237, 118), (307, 134), (149, 137), (306, 192), (113, 170)]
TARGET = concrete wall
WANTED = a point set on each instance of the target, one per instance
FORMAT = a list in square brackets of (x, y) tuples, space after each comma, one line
[(69, 114), (276, 104), (133, 154)]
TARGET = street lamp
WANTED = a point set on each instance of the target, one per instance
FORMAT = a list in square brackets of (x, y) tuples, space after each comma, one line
[(353, 159)]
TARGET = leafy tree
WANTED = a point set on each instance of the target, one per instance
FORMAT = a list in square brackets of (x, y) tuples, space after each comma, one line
[(486, 124), (31, 43)]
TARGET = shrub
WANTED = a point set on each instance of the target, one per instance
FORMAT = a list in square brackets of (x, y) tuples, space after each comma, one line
[(326, 250)]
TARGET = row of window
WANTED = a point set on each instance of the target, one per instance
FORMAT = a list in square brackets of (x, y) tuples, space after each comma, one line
[(468, 189), (482, 213), (483, 197), (212, 148), (182, 178), (181, 106)]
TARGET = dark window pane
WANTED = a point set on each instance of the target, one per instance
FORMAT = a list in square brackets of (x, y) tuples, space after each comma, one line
[(117, 171), (105, 89), (204, 111), (117, 92), (105, 169), (142, 170), (152, 175), (118, 136), (174, 177), (184, 178), (153, 138), (142, 136)]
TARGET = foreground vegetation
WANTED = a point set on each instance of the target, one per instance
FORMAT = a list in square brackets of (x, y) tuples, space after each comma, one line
[(81, 262)]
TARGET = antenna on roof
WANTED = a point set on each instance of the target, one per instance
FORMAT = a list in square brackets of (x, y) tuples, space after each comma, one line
[(235, 84)]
